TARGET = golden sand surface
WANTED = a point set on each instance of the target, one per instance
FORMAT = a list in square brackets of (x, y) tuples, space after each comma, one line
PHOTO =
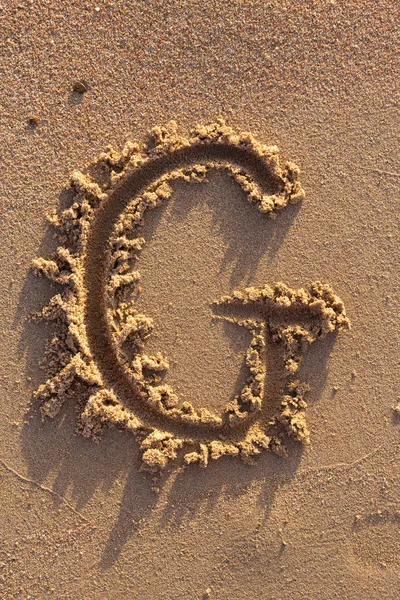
[(225, 371)]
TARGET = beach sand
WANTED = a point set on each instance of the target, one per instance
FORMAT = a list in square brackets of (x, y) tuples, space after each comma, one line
[(81, 518)]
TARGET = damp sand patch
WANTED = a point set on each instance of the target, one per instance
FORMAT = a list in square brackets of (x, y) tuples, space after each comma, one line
[(98, 355)]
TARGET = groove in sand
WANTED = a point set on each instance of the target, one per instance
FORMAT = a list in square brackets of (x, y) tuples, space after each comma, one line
[(99, 352)]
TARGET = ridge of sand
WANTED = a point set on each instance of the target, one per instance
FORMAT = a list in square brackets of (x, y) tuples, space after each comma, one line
[(99, 353)]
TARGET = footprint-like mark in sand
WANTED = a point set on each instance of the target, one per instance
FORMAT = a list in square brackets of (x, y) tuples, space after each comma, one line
[(376, 540), (99, 354)]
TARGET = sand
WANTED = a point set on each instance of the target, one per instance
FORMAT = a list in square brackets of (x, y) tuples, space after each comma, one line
[(100, 345), (166, 316)]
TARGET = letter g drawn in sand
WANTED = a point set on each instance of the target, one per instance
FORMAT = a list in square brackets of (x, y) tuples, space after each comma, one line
[(102, 341)]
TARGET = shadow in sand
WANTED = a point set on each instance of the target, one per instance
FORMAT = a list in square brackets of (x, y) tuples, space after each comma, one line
[(137, 503), (395, 417), (229, 478), (238, 224), (226, 480), (76, 98), (314, 369), (83, 468)]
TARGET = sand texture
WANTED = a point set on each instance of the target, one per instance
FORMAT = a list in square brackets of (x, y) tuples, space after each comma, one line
[(178, 293), (99, 287)]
